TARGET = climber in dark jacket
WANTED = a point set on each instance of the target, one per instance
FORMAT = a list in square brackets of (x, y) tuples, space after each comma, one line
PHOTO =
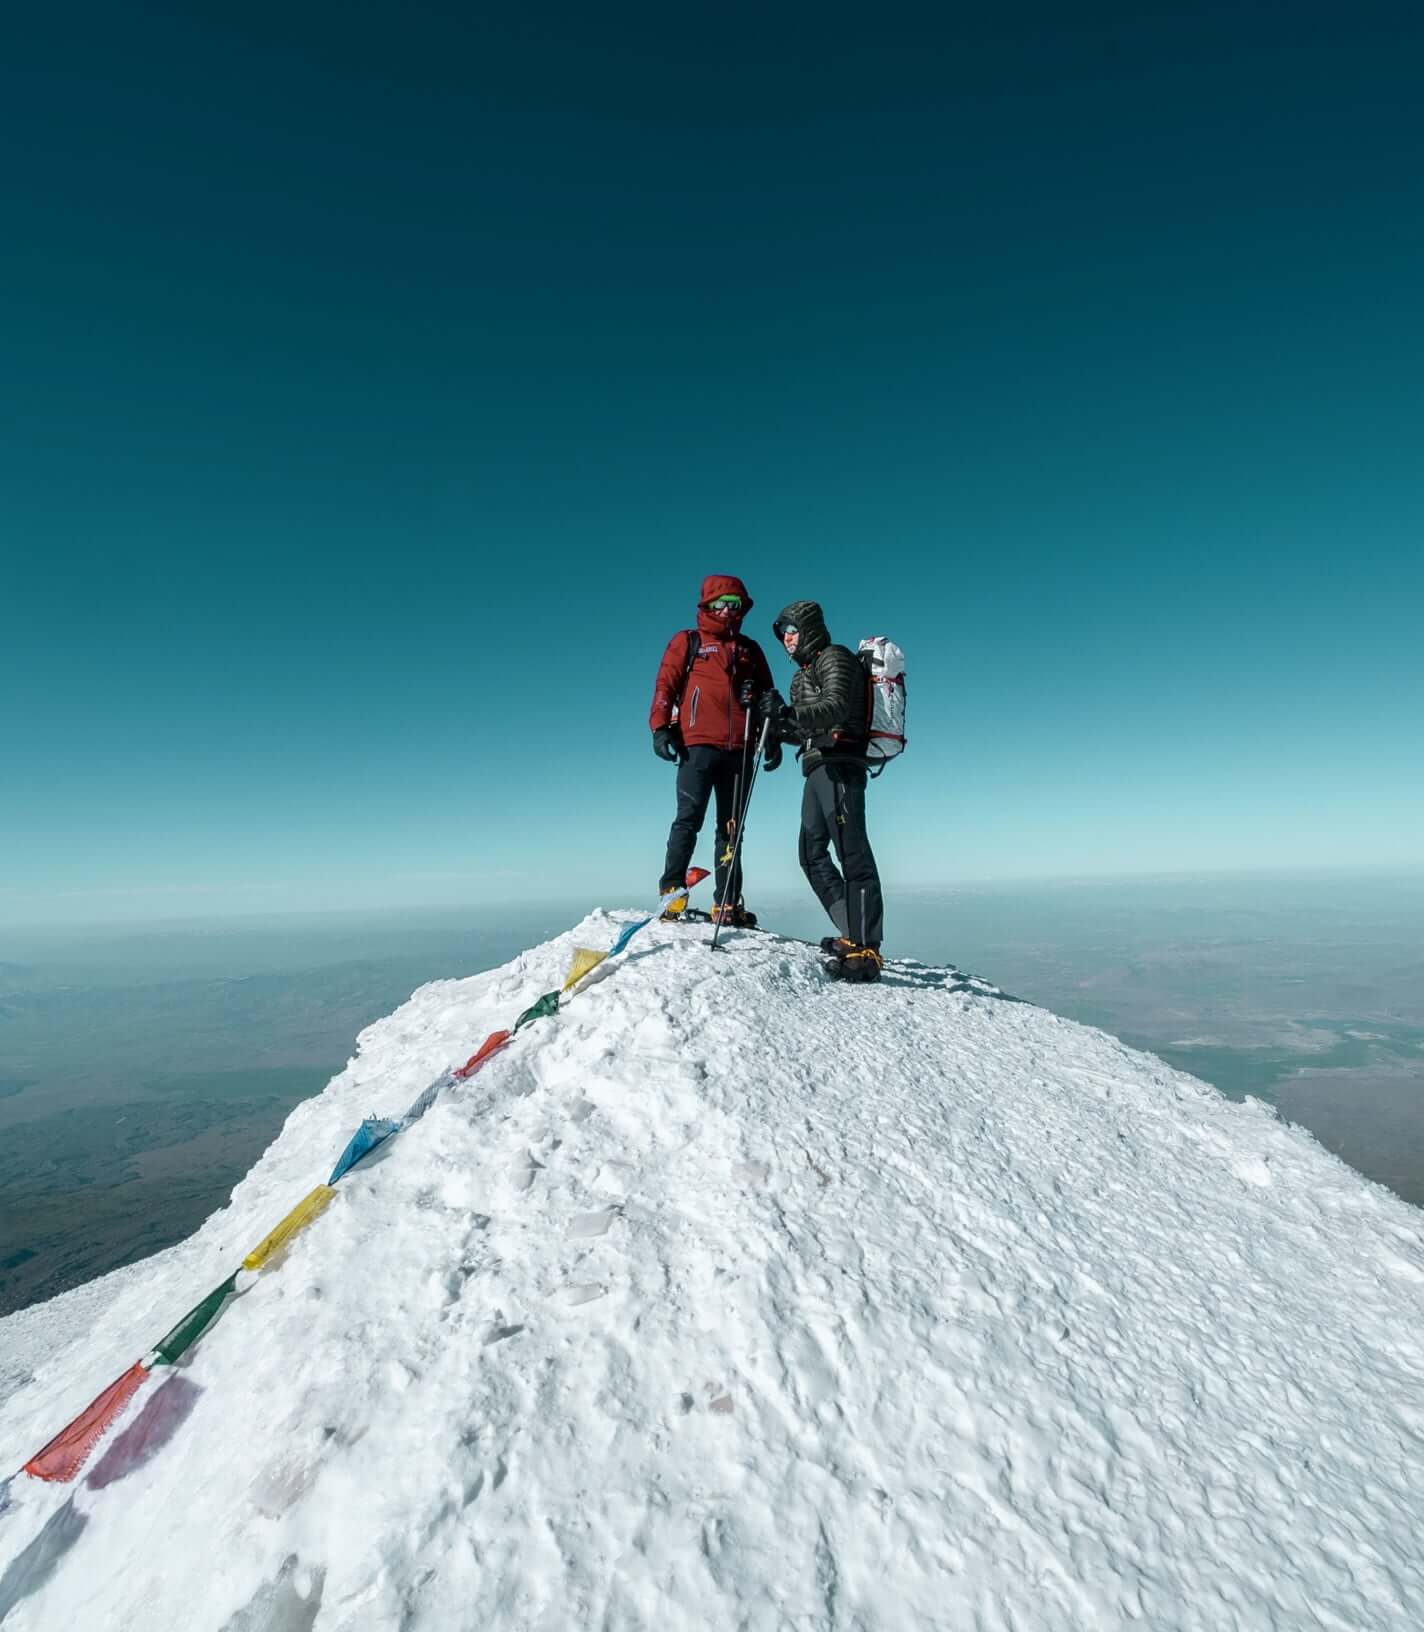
[(828, 717)]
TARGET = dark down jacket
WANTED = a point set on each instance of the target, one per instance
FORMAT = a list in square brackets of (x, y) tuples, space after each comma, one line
[(829, 693)]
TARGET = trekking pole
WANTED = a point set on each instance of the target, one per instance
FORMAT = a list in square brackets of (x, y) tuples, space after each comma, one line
[(734, 821), (724, 857), (741, 826)]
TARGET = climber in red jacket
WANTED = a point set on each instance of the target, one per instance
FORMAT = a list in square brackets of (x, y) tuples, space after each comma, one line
[(703, 719)]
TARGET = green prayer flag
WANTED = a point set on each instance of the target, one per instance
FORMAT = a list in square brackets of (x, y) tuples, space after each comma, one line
[(192, 1326), (545, 1009)]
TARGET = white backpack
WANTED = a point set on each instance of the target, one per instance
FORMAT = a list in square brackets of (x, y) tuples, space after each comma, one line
[(884, 664)]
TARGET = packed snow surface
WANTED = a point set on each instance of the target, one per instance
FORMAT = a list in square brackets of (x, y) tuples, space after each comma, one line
[(732, 1297)]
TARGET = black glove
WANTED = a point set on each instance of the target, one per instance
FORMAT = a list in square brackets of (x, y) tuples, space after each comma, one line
[(771, 705), (772, 757), (667, 744)]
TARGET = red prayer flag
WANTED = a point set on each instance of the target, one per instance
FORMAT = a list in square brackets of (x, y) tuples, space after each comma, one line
[(491, 1045), (68, 1451)]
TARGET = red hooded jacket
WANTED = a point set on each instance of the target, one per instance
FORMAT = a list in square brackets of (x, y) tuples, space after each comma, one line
[(711, 702)]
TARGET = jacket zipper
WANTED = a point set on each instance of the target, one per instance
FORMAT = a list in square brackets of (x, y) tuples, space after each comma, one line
[(732, 694)]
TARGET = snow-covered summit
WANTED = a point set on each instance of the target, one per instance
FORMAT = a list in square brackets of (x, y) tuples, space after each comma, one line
[(731, 1297)]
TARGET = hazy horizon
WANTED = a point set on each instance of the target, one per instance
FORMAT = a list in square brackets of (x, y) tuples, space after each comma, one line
[(787, 885)]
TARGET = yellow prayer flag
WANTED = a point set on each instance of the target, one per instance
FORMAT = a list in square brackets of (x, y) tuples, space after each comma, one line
[(584, 960), (308, 1208)]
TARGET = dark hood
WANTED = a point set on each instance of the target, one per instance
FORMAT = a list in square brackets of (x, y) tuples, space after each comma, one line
[(810, 620)]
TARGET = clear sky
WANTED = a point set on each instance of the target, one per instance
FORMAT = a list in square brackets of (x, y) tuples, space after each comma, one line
[(377, 384)]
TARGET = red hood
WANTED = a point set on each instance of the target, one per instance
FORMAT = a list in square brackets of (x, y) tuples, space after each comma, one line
[(713, 585), (722, 583)]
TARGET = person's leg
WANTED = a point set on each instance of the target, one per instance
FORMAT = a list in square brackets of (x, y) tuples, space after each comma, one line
[(730, 790), (864, 904), (817, 817), (694, 789)]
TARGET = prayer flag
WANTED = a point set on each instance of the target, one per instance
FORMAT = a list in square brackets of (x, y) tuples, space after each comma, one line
[(309, 1207), (491, 1045), (584, 961), (372, 1132), (192, 1326), (545, 1009), (629, 931), (68, 1451)]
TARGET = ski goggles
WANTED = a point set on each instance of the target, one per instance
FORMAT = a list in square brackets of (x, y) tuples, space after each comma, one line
[(726, 603)]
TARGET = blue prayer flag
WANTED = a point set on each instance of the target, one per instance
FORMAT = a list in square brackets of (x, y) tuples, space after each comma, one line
[(629, 932), (372, 1132)]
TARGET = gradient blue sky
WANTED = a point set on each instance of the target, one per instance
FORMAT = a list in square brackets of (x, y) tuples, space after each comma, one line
[(377, 384)]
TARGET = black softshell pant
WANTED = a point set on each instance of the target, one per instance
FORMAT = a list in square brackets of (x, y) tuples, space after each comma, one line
[(703, 772), (833, 812)]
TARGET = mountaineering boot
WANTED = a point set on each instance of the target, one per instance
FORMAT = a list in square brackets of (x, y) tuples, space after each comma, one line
[(674, 895), (837, 946), (734, 915), (857, 963), (864, 964)]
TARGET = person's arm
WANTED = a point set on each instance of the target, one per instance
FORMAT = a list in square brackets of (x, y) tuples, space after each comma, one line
[(841, 697), (768, 704), (667, 689)]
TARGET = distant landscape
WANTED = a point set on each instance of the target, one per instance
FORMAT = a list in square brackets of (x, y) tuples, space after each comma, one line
[(1306, 992), (142, 1072)]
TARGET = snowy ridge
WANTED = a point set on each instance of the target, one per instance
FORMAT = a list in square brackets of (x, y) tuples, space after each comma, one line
[(735, 1298)]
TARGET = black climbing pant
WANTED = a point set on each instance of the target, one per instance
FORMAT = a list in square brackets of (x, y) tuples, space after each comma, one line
[(703, 772), (833, 812)]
